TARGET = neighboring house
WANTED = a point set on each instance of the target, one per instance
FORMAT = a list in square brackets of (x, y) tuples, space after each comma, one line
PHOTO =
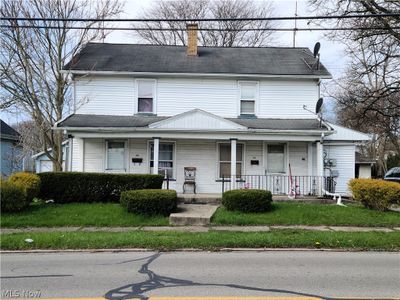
[(225, 111), (363, 166), (11, 150), (43, 162)]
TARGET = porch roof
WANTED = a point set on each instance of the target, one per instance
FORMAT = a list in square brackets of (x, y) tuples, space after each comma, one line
[(143, 121)]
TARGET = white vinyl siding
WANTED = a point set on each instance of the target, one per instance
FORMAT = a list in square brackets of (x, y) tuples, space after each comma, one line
[(116, 95), (104, 95), (345, 159), (94, 155), (179, 95), (298, 158), (285, 98)]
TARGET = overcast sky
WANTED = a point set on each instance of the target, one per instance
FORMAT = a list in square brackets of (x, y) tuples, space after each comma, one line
[(332, 55)]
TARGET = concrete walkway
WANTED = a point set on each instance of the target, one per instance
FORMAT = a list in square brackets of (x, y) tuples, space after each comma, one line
[(193, 214), (200, 229)]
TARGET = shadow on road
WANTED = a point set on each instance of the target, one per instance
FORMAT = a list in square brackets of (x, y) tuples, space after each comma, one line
[(155, 282)]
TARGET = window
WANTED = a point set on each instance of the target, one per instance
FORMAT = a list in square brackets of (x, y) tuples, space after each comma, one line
[(248, 95), (145, 100), (225, 160), (165, 159), (115, 155), (276, 159)]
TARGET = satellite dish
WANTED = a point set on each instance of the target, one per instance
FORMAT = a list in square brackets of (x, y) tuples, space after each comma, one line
[(316, 49), (319, 105)]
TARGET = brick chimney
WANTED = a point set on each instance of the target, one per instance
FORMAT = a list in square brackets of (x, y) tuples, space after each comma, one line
[(192, 39)]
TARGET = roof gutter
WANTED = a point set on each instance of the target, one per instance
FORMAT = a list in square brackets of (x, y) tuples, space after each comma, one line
[(144, 129), (221, 75)]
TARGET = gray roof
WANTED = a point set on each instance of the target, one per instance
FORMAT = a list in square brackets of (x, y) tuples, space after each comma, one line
[(280, 124), (210, 60), (7, 132), (81, 120)]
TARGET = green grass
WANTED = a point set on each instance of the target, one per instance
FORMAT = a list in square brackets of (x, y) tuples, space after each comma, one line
[(205, 240), (78, 214), (309, 214)]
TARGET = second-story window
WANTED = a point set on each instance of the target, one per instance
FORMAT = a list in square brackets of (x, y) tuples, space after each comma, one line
[(145, 96), (248, 97)]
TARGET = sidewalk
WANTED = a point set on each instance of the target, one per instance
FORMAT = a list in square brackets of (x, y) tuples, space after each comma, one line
[(200, 229)]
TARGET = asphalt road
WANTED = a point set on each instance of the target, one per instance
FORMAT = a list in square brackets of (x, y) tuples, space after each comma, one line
[(132, 274)]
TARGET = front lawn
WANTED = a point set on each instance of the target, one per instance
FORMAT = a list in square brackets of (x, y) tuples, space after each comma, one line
[(78, 214), (170, 240), (310, 214)]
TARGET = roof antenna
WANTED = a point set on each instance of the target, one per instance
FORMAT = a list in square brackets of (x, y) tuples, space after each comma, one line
[(317, 111), (317, 47), (295, 26)]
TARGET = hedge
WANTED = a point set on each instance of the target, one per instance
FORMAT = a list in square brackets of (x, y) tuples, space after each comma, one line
[(13, 197), (31, 183), (247, 200), (149, 202), (375, 193), (65, 187)]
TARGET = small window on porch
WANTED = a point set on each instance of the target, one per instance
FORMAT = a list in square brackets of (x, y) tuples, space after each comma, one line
[(165, 159), (115, 155), (225, 160), (276, 159)]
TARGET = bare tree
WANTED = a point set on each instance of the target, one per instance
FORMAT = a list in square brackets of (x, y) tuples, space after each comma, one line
[(237, 34), (368, 95), (31, 59)]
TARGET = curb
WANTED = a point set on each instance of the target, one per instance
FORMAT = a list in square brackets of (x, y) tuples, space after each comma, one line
[(124, 250)]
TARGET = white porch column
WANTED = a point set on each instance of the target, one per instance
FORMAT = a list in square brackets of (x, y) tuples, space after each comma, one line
[(320, 167), (233, 163), (81, 154), (156, 149)]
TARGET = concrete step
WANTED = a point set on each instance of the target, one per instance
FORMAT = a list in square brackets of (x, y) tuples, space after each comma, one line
[(199, 198), (192, 214)]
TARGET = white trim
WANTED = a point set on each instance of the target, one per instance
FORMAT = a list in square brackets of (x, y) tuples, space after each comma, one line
[(158, 125), (256, 99), (162, 141), (136, 105), (125, 169), (79, 72), (310, 159), (243, 143), (200, 136), (285, 155), (140, 129)]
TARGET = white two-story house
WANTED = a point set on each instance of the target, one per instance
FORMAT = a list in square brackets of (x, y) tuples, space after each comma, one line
[(234, 114)]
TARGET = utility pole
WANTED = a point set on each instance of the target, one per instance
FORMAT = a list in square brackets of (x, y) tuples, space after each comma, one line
[(295, 26)]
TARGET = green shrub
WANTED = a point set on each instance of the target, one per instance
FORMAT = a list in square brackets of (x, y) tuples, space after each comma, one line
[(247, 200), (65, 187), (13, 197), (374, 193), (149, 202), (31, 183)]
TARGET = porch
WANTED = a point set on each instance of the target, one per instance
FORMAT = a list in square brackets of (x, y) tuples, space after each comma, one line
[(253, 163)]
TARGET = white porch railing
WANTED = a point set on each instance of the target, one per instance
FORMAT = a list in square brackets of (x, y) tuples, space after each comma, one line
[(281, 184)]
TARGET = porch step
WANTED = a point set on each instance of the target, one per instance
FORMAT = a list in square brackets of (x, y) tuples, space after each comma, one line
[(199, 198), (192, 214)]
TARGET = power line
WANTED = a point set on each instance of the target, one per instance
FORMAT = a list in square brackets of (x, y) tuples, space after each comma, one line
[(200, 29), (202, 19)]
